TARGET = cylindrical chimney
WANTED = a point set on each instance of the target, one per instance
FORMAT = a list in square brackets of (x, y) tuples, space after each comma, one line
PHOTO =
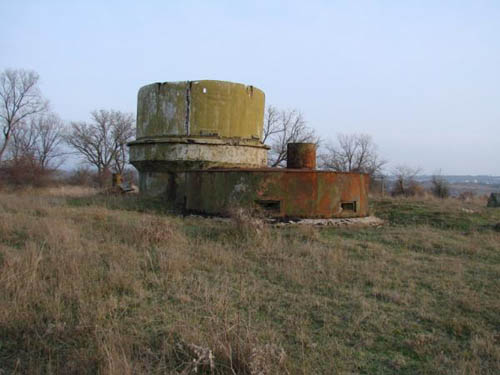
[(301, 156)]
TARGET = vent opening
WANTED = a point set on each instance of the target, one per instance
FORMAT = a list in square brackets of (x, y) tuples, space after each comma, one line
[(269, 205), (348, 206)]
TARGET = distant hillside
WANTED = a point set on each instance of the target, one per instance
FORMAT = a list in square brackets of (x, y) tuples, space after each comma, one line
[(465, 179), (479, 185)]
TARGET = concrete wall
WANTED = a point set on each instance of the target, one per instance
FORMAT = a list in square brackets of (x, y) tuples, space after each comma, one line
[(195, 125), (200, 108)]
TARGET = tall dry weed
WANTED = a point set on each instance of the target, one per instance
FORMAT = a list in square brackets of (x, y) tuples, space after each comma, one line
[(248, 225)]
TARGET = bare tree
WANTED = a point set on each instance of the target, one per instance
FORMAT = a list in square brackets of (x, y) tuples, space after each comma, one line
[(49, 133), (39, 141), (102, 143), (34, 152), (405, 183), (283, 127), (22, 144), (352, 153), (20, 98), (271, 123), (440, 187)]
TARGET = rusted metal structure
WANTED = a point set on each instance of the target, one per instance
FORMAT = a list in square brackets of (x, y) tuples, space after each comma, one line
[(301, 156), (199, 146), (280, 193)]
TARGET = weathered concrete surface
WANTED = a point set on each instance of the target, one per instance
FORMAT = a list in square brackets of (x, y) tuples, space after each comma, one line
[(169, 155), (161, 164), (200, 108), (494, 200), (370, 221), (161, 109), (284, 193), (156, 183), (301, 156), (195, 125), (226, 109)]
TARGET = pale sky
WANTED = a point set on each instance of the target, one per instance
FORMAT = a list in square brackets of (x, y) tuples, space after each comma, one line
[(422, 77)]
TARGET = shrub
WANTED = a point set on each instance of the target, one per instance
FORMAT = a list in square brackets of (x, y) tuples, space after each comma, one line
[(407, 189), (26, 172), (466, 196), (405, 183), (440, 187), (82, 176)]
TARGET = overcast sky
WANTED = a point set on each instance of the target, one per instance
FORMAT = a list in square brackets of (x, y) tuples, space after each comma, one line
[(422, 77)]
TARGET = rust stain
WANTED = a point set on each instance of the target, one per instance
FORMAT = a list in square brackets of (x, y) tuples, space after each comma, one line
[(282, 193), (301, 156)]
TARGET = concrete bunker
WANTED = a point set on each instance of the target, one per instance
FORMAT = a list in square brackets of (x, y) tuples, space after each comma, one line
[(199, 146)]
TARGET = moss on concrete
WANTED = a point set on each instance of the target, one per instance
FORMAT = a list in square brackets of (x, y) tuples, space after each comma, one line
[(226, 109), (161, 109), (200, 108)]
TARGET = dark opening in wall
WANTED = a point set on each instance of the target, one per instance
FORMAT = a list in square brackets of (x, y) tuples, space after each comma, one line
[(269, 205), (348, 206)]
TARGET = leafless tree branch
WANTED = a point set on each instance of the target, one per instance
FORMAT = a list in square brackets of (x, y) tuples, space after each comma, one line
[(20, 98), (102, 142), (352, 153), (39, 141), (283, 127), (405, 183)]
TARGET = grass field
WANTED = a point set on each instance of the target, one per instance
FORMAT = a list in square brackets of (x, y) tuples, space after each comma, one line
[(115, 285)]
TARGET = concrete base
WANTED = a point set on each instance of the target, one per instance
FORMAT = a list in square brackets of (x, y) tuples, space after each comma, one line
[(161, 162), (182, 154)]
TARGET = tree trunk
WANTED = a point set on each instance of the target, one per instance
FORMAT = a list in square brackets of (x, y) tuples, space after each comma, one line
[(4, 146)]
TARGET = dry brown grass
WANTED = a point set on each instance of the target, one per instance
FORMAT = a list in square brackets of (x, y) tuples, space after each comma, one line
[(91, 289), (94, 290)]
